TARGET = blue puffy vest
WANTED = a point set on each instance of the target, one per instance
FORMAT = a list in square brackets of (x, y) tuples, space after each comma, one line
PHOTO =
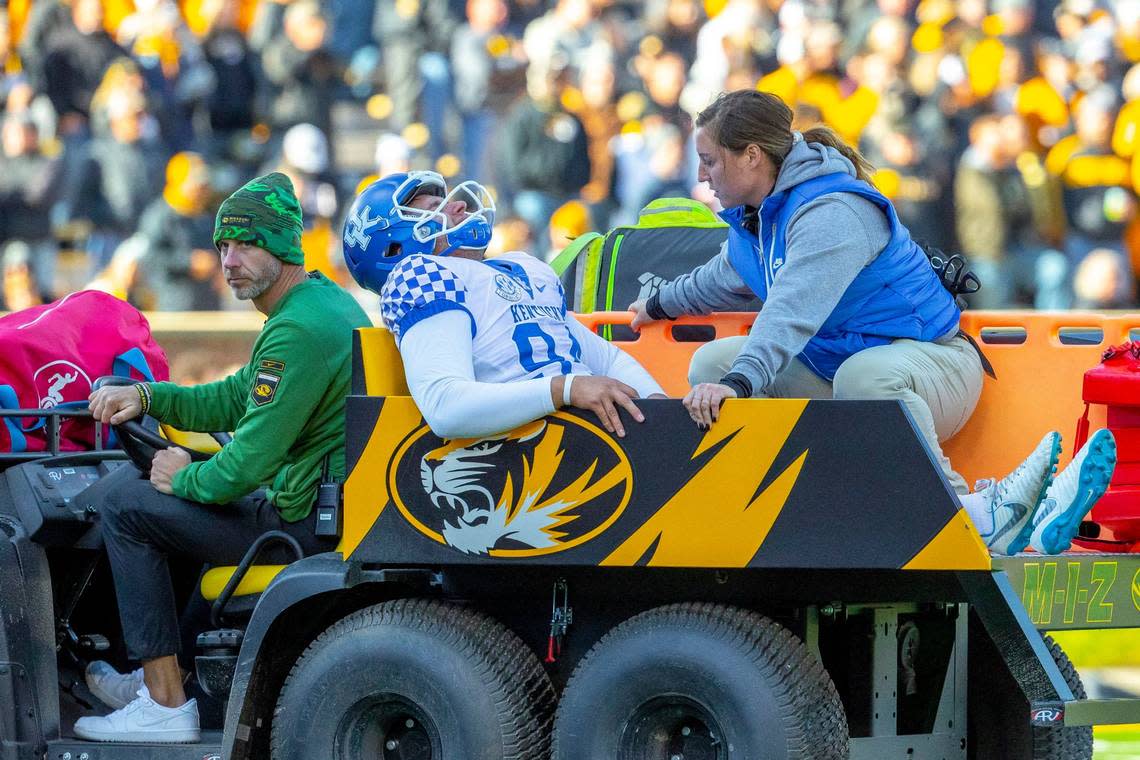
[(898, 295)]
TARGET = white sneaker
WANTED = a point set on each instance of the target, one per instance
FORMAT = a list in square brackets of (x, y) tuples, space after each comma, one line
[(1014, 498), (1073, 494), (143, 720), (114, 689)]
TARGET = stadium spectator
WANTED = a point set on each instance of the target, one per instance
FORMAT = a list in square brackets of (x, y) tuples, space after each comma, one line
[(1096, 183), (305, 161), (565, 36), (489, 72), (29, 187), (230, 106), (917, 185), (595, 104), (77, 56), (121, 174), (544, 152), (170, 60), (179, 267), (304, 73), (414, 38)]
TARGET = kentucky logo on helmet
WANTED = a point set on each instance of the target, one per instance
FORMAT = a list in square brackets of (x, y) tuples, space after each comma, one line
[(358, 226), (411, 213), (516, 494)]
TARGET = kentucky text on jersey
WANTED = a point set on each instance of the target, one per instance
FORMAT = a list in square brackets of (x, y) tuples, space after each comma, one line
[(525, 312)]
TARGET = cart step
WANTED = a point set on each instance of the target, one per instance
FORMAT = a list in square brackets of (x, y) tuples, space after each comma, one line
[(210, 748)]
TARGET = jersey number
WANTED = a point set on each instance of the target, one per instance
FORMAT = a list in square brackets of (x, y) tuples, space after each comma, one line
[(528, 335)]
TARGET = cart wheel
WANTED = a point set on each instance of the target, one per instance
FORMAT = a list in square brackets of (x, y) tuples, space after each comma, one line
[(702, 682), (415, 679), (998, 716), (1074, 742)]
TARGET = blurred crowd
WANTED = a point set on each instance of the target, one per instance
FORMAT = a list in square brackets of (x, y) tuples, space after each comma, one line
[(1006, 130)]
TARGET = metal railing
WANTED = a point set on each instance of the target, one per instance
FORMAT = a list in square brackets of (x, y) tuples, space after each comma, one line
[(52, 422)]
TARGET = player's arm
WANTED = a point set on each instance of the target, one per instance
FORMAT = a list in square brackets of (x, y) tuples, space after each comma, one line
[(424, 304), (439, 367), (440, 370)]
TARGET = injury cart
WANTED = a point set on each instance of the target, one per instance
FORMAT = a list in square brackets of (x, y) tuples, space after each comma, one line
[(797, 582)]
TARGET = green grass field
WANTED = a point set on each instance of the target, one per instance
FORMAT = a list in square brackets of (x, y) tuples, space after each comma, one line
[(1116, 743), (1099, 649)]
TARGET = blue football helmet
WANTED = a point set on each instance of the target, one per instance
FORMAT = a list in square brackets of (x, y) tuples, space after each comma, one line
[(382, 226)]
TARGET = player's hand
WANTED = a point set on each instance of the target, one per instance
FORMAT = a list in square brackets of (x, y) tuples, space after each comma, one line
[(115, 403), (165, 466), (603, 396), (640, 315), (703, 402)]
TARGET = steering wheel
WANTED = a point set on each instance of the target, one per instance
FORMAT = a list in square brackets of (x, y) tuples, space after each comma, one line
[(140, 442)]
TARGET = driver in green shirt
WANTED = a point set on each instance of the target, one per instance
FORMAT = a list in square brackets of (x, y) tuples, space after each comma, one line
[(286, 410)]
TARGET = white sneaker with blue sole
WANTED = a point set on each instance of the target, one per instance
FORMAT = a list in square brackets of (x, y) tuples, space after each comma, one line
[(1073, 494), (1013, 499)]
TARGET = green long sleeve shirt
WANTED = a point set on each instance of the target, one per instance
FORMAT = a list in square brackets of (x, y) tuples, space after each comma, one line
[(285, 407)]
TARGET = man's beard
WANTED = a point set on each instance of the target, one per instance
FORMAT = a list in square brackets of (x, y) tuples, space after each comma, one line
[(259, 284)]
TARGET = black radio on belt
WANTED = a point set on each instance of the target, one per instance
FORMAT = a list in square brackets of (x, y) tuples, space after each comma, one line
[(328, 505), (954, 275), (959, 281)]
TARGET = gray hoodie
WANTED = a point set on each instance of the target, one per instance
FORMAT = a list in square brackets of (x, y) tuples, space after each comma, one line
[(829, 241)]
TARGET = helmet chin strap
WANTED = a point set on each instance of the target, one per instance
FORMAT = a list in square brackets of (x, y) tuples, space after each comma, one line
[(450, 249), (473, 236)]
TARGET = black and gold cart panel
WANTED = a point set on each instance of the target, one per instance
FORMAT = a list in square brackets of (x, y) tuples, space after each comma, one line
[(773, 484)]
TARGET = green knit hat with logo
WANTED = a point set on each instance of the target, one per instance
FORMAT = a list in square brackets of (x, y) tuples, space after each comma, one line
[(265, 212)]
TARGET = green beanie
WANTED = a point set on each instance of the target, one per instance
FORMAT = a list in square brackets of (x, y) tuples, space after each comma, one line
[(265, 212)]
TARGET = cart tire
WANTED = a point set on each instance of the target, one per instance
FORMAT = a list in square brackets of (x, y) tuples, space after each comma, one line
[(700, 680), (1064, 743), (415, 679), (998, 723)]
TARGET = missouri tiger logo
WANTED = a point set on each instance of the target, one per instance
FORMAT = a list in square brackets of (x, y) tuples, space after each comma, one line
[(539, 489), (265, 388), (1136, 590)]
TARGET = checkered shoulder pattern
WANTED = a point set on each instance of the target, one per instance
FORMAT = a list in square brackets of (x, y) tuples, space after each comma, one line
[(416, 289)]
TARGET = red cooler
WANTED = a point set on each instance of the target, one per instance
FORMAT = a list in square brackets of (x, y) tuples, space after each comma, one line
[(1115, 382)]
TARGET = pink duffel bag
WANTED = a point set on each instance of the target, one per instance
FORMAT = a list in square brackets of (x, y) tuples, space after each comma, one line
[(50, 355)]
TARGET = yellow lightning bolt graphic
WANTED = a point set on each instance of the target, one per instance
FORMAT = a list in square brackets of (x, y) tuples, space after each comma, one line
[(713, 521), (365, 489), (956, 547)]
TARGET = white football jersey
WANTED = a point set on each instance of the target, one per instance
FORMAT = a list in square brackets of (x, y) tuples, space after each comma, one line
[(516, 305)]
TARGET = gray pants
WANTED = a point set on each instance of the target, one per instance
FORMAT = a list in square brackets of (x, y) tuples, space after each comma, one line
[(141, 526), (938, 382)]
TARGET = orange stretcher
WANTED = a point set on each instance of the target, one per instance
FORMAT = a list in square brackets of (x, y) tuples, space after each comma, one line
[(1039, 358)]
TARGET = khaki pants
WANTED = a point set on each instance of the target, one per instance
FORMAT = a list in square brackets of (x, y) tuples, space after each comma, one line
[(938, 382)]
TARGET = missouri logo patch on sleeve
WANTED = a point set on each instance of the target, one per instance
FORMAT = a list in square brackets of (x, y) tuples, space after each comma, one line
[(265, 387)]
